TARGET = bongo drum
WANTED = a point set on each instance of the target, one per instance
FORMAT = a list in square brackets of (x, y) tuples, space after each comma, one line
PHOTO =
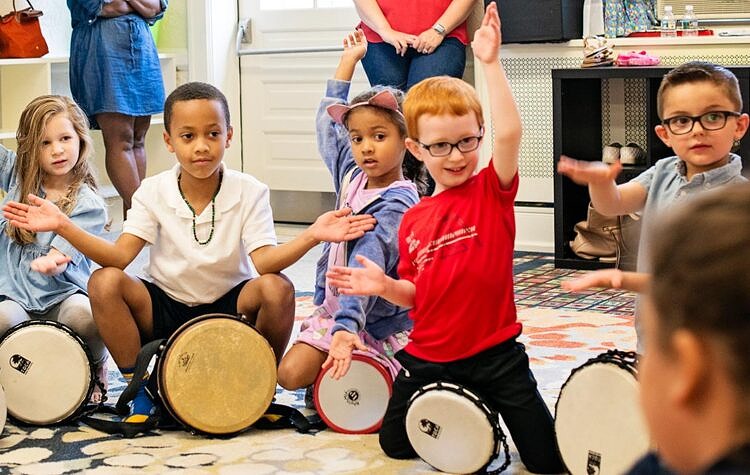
[(453, 430), (356, 403), (599, 425), (47, 372), (216, 374)]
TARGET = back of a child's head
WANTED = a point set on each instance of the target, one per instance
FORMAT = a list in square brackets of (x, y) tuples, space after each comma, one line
[(30, 135), (440, 95), (700, 71), (701, 275), (413, 169), (192, 91)]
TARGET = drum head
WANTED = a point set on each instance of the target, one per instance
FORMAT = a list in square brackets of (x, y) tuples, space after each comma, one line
[(217, 374), (449, 431), (3, 410), (356, 403), (598, 420), (45, 371)]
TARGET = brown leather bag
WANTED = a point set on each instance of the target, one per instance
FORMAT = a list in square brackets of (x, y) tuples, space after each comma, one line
[(20, 34), (608, 238)]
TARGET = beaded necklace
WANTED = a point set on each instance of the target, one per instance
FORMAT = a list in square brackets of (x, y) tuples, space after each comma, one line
[(213, 209)]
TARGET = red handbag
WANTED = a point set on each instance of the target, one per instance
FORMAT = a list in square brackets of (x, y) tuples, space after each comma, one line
[(21, 35)]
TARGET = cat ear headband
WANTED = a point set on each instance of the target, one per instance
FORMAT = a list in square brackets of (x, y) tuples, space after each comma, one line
[(384, 99)]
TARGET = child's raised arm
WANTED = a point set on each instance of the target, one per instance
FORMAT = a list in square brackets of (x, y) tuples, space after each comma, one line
[(607, 196), (371, 280), (43, 215), (332, 226), (355, 48), (503, 110)]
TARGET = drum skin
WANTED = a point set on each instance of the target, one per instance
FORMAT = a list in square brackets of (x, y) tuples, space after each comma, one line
[(217, 374), (355, 403), (599, 424), (451, 429), (3, 410), (46, 371)]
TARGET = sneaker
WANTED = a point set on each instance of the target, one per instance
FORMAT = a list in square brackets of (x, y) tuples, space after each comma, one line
[(632, 154), (611, 153)]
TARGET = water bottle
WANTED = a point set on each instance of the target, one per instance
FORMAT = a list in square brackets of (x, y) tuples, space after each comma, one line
[(689, 22), (668, 23)]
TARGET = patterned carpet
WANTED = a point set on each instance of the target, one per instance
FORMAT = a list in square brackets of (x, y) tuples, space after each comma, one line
[(561, 331)]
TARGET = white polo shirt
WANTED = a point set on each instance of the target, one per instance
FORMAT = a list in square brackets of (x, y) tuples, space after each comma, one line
[(189, 272)]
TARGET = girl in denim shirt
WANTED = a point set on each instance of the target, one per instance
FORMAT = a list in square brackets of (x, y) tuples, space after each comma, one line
[(41, 275), (363, 146)]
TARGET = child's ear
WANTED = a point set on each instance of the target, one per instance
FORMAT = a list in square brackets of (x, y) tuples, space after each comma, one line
[(230, 132), (414, 147), (742, 124), (168, 141), (663, 134), (693, 361)]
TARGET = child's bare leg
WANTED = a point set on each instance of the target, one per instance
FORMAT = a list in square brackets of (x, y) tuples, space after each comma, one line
[(300, 366), (122, 311), (268, 303)]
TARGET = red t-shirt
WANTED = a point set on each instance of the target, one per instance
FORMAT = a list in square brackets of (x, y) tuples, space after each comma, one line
[(414, 17), (457, 249)]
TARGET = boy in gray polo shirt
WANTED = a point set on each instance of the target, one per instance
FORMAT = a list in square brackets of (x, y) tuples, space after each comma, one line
[(700, 106)]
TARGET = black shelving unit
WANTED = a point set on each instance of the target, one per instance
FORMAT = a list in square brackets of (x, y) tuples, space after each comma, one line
[(577, 132)]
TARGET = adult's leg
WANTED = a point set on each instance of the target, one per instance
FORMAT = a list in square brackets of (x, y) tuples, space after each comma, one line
[(508, 385), (268, 303), (121, 306), (124, 142), (385, 67), (300, 366), (11, 314), (448, 59)]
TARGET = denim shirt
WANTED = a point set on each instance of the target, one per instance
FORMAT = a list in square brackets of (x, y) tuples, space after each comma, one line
[(87, 11), (34, 291), (376, 315)]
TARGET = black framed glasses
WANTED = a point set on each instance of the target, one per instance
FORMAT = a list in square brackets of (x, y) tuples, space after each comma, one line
[(465, 145), (683, 124)]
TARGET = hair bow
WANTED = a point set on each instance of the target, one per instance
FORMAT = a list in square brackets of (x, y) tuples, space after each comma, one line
[(384, 99)]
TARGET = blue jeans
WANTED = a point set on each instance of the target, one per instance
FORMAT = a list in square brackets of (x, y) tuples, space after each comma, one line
[(383, 66)]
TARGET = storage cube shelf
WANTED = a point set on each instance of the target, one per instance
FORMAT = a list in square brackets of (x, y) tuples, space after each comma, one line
[(577, 132)]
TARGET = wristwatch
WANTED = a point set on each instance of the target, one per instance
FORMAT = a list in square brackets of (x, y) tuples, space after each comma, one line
[(439, 28)]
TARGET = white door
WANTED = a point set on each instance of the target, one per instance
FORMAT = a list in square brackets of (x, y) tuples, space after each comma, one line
[(280, 93)]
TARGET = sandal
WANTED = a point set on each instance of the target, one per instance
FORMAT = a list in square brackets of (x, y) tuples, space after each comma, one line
[(640, 58), (596, 52)]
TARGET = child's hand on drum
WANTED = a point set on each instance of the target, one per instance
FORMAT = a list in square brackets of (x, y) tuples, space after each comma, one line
[(340, 354)]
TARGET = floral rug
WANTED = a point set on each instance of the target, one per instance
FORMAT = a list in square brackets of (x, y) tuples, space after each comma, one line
[(561, 331)]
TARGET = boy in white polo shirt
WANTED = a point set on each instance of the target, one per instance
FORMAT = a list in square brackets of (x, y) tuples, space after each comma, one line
[(208, 227)]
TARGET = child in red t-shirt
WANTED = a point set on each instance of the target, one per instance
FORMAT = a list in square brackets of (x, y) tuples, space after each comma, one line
[(456, 264)]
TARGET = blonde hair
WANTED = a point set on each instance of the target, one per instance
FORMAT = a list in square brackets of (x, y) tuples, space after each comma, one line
[(437, 96), (31, 130)]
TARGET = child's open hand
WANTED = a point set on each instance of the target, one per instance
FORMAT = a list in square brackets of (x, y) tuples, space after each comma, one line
[(52, 264), (340, 353), (586, 172), (39, 215), (606, 278), (367, 280), (487, 39), (355, 46), (340, 225)]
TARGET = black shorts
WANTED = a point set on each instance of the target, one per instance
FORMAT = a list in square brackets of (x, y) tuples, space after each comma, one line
[(169, 314)]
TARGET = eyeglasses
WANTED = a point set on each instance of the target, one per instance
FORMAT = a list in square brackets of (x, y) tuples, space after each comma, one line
[(443, 149), (683, 124)]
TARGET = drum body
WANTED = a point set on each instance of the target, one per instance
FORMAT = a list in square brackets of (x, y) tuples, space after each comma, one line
[(217, 374), (356, 403), (599, 424), (452, 429), (47, 372)]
